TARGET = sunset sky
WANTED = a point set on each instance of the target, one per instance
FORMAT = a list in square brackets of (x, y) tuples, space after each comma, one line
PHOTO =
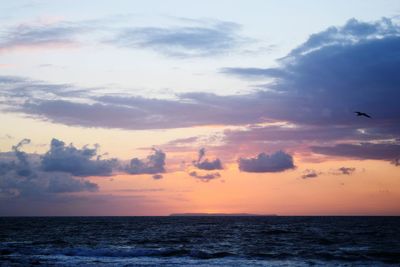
[(158, 107)]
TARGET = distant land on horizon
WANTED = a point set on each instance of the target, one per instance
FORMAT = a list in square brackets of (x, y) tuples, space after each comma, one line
[(219, 214)]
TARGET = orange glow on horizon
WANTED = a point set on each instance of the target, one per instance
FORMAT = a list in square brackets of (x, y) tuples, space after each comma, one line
[(372, 192)]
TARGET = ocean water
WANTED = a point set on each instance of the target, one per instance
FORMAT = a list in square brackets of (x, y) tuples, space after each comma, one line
[(200, 241)]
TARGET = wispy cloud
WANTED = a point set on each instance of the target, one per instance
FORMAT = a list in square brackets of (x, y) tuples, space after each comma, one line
[(251, 73), (39, 35), (191, 38), (380, 151), (205, 177), (130, 112), (310, 173), (182, 41)]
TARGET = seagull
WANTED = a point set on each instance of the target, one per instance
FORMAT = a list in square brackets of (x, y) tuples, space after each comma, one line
[(362, 114)]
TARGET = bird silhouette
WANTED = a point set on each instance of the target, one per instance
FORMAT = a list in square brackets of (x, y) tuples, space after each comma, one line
[(362, 114)]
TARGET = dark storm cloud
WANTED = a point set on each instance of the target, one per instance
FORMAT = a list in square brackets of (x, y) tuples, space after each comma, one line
[(205, 177), (22, 176), (189, 41), (385, 151), (206, 164), (276, 162), (78, 162), (153, 164)]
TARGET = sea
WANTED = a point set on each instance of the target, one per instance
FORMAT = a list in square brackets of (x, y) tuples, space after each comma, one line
[(200, 241)]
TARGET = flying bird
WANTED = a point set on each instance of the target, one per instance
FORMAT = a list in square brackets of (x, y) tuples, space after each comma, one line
[(362, 114)]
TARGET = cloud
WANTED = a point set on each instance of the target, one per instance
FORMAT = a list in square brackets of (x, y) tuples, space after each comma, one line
[(42, 184), (320, 106), (396, 162), (78, 162), (310, 173), (22, 176), (138, 113), (206, 164), (183, 141), (196, 38), (64, 184), (189, 41), (209, 164), (307, 85), (157, 176), (153, 164), (22, 166), (36, 35), (276, 162), (302, 93), (346, 170), (307, 133), (61, 170), (202, 153), (380, 151), (18, 91), (353, 32), (251, 73), (205, 177), (305, 92)]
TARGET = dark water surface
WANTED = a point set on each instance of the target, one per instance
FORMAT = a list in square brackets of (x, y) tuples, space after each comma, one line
[(200, 241)]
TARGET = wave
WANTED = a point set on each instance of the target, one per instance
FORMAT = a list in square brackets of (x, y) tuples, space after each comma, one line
[(119, 252)]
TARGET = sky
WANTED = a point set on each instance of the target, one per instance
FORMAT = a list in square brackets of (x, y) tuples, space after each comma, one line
[(157, 107)]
